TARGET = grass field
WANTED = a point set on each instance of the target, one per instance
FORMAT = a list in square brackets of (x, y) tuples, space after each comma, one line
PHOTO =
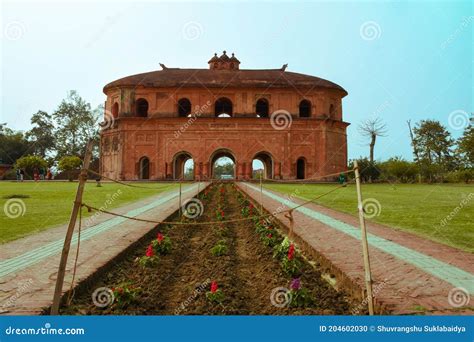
[(440, 212), (49, 203)]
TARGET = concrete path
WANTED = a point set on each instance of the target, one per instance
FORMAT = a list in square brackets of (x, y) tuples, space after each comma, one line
[(411, 274), (28, 266)]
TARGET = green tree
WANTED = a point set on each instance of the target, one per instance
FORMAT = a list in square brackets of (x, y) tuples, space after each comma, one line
[(41, 136), (369, 171), (398, 169), (224, 169), (466, 147), (68, 164), (13, 145), (30, 162), (76, 124), (434, 145)]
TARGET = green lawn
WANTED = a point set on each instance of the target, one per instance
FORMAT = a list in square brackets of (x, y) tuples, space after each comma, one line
[(417, 208), (49, 203)]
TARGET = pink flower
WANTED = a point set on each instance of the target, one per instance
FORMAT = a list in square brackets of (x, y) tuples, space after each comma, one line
[(214, 287), (149, 251), (295, 284)]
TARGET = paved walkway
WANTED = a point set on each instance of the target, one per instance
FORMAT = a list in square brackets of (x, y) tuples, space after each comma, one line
[(28, 266), (411, 274)]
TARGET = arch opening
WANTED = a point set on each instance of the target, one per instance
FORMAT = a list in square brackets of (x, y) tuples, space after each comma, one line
[(144, 168), (183, 166), (262, 166), (301, 168), (223, 165), (184, 107), (141, 108), (115, 110), (262, 108), (305, 109), (223, 107)]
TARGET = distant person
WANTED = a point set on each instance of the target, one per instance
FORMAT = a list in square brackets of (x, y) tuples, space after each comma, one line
[(41, 173), (35, 174), (49, 175), (22, 175), (18, 175)]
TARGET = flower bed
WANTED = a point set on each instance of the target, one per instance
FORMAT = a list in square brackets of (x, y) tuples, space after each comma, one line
[(244, 267)]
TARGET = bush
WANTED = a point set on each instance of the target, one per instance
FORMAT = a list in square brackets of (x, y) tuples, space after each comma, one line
[(68, 164), (219, 249), (398, 169), (460, 176), (29, 163)]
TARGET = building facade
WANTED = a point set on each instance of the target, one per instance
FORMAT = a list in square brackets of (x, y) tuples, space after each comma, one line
[(155, 122)]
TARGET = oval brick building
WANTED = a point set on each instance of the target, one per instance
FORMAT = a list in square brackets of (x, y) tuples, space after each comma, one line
[(157, 121)]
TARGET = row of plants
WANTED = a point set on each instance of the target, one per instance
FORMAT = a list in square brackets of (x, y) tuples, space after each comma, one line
[(284, 251)]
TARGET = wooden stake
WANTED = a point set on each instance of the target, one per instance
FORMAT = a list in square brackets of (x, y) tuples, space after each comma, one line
[(70, 230), (261, 195), (289, 216), (365, 245)]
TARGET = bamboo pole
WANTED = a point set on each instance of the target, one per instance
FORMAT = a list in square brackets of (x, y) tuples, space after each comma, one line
[(70, 230), (261, 195), (180, 211), (365, 245)]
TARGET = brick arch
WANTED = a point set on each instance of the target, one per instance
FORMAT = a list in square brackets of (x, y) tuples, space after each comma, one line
[(179, 159), (218, 153), (268, 163)]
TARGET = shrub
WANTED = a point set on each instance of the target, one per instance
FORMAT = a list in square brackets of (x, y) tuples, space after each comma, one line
[(29, 163), (215, 295), (149, 259), (162, 244), (125, 294), (300, 297), (68, 164), (219, 249)]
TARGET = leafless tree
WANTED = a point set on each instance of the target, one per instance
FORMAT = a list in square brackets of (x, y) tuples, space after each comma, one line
[(373, 128)]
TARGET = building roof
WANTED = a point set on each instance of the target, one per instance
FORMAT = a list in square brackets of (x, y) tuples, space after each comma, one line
[(223, 77), (263, 78)]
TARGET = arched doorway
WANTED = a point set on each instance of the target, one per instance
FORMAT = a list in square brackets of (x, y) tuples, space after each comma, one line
[(144, 168), (183, 166), (262, 108), (262, 164), (184, 107), (300, 168), (141, 108), (222, 164)]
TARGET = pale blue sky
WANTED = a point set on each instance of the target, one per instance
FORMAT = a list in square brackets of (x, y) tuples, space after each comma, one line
[(418, 66)]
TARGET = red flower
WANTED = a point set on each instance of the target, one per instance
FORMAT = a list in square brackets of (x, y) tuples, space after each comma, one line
[(214, 287), (222, 213), (160, 237), (269, 236), (250, 206), (291, 252), (222, 190), (149, 251)]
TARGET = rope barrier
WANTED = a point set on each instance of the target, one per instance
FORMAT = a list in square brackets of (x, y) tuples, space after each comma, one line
[(91, 208)]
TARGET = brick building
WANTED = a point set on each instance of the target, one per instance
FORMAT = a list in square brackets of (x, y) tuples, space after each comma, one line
[(155, 122)]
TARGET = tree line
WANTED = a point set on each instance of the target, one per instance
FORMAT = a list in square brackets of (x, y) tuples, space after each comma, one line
[(56, 140), (438, 157)]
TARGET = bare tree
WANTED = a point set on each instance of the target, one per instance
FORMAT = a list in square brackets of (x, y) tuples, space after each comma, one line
[(373, 128)]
